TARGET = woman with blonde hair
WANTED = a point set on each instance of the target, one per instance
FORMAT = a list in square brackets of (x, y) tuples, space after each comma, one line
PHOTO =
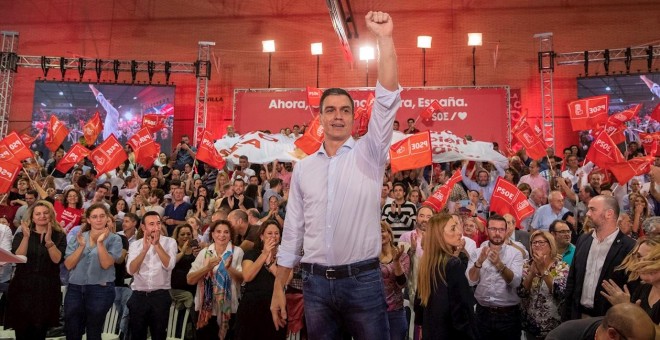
[(42, 241), (394, 264), (639, 211), (442, 287), (543, 286)]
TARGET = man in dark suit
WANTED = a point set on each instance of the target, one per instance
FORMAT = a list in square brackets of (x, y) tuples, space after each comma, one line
[(596, 255)]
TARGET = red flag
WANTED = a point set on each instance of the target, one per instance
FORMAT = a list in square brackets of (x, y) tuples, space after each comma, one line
[(604, 152), (92, 129), (655, 114), (586, 113), (650, 143), (72, 158), (153, 122), (427, 114), (412, 152), (144, 148), (624, 171), (311, 141), (8, 173), (17, 147), (360, 121), (508, 199), (531, 141), (108, 155), (6, 156), (615, 132), (27, 139), (619, 118), (440, 197), (314, 96), (55, 133), (207, 153)]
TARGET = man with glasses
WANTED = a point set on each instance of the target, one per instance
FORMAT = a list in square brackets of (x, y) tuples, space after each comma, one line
[(497, 273), (562, 233)]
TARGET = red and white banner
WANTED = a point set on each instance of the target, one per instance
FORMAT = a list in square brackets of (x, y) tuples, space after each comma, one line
[(411, 153), (314, 96), (530, 140), (650, 143), (604, 152), (508, 199), (144, 148), (624, 171), (56, 133), (588, 112), (15, 144), (75, 155), (311, 141), (92, 129), (207, 153), (8, 173), (439, 198), (108, 155), (464, 110)]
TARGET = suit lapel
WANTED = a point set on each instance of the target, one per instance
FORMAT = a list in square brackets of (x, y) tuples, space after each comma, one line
[(611, 254)]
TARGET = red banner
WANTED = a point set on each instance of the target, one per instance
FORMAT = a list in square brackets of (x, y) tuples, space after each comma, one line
[(108, 155), (588, 112), (604, 152), (153, 122), (15, 144), (650, 143), (655, 114), (531, 140), (27, 139), (439, 199), (619, 118), (624, 171), (92, 129), (311, 141), (207, 153), (8, 173), (55, 134), (464, 110), (6, 156), (144, 148), (75, 155), (412, 152), (314, 96), (508, 199)]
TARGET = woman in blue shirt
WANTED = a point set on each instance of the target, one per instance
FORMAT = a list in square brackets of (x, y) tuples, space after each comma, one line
[(90, 258)]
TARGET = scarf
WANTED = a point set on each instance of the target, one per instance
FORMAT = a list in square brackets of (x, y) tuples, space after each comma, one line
[(215, 291)]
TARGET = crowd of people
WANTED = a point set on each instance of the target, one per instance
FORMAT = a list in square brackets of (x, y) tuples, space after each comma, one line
[(262, 251)]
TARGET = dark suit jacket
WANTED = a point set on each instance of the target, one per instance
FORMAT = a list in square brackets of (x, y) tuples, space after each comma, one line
[(620, 248)]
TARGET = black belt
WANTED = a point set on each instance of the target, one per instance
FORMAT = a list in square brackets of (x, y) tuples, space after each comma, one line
[(588, 311), (341, 271), (500, 310), (153, 292)]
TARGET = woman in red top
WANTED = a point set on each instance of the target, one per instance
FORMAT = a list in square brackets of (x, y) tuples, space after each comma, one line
[(69, 209)]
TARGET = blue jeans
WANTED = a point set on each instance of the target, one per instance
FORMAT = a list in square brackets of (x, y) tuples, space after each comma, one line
[(355, 304), (85, 308), (398, 324), (122, 294)]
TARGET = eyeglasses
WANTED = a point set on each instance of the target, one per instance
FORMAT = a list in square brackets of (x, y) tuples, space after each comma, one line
[(538, 243), (497, 230), (562, 232)]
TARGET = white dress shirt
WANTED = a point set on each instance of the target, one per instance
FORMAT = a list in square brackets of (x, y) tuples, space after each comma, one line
[(595, 262), (152, 274), (492, 290)]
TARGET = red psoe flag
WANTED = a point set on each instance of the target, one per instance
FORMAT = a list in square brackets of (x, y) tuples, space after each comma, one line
[(361, 121), (439, 199), (619, 118), (207, 153), (314, 96), (655, 114), (604, 152), (27, 139), (412, 152), (311, 141), (56, 133), (92, 129), (586, 113), (624, 171), (108, 155), (531, 141), (508, 199), (8, 173), (144, 148), (153, 122), (6, 156), (72, 158), (650, 142), (15, 144), (427, 114)]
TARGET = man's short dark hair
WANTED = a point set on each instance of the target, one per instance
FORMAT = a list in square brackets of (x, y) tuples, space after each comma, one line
[(175, 182), (274, 182), (243, 157), (554, 223), (496, 217), (240, 214), (149, 213), (590, 190), (240, 179), (159, 193), (335, 91), (399, 184), (32, 192), (133, 217), (296, 126), (410, 120)]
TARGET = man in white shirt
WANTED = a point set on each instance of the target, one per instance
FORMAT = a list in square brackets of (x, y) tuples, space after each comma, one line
[(243, 170), (150, 262)]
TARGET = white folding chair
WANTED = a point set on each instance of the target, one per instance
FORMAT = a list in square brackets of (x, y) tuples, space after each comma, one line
[(110, 325), (173, 321)]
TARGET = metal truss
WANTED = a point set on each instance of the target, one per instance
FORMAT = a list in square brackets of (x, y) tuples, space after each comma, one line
[(8, 66), (606, 56), (546, 70), (203, 74)]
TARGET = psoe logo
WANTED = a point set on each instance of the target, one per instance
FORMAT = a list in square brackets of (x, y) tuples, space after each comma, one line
[(6, 173), (99, 160), (522, 205)]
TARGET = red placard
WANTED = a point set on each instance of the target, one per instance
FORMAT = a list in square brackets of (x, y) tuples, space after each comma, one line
[(412, 152), (55, 134), (530, 139), (604, 152), (508, 199), (108, 155), (144, 148), (439, 199), (624, 171), (207, 153), (8, 172), (93, 128), (15, 144), (586, 113), (72, 157), (311, 141), (153, 122)]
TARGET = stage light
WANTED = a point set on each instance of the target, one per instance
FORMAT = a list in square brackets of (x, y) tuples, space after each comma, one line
[(367, 53), (608, 89), (317, 50), (586, 63), (44, 66), (268, 46), (649, 59), (168, 71), (98, 68), (133, 71), (606, 62), (628, 60), (61, 93), (115, 69), (474, 40), (81, 68), (424, 42), (62, 67), (150, 70)]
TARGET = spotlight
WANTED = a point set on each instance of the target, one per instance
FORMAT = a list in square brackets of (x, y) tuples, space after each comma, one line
[(62, 67), (98, 68), (44, 66), (168, 71), (133, 70), (115, 69)]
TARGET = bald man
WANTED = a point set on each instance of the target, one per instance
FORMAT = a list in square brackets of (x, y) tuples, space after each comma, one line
[(623, 321)]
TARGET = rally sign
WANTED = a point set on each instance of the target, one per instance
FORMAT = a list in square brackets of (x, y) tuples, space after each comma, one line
[(55, 134), (144, 148), (508, 199), (439, 198), (586, 113), (75, 155), (8, 172), (411, 153), (108, 155)]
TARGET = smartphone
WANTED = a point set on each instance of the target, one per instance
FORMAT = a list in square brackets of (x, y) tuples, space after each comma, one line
[(464, 203), (194, 243)]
